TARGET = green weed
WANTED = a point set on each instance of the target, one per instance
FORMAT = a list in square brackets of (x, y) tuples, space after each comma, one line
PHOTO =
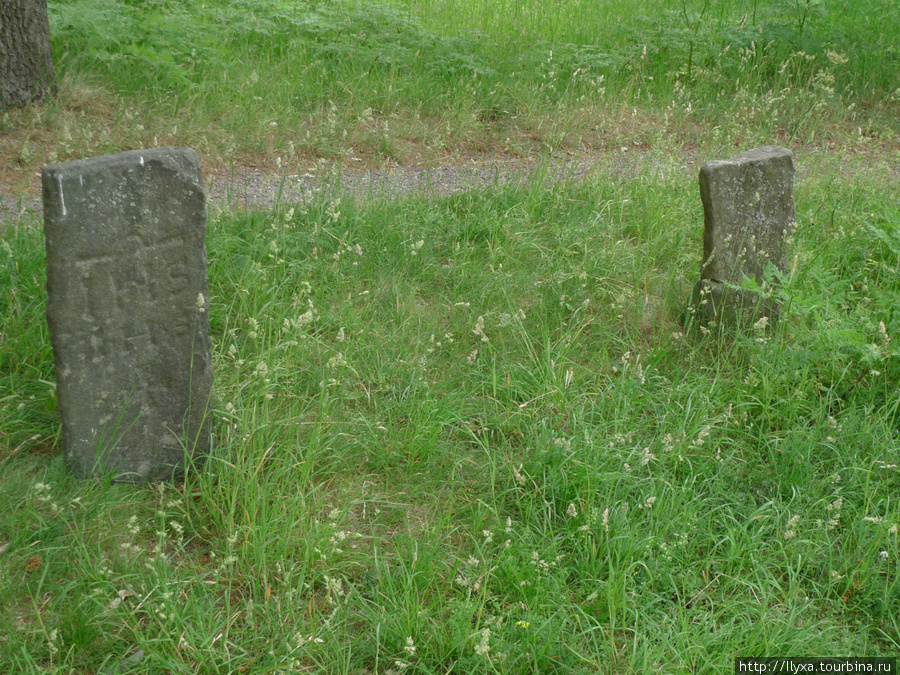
[(471, 433), (350, 81)]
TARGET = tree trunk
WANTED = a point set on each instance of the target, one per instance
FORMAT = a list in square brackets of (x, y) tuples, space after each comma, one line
[(26, 64)]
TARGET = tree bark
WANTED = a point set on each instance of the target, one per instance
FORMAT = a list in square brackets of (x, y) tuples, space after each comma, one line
[(26, 62)]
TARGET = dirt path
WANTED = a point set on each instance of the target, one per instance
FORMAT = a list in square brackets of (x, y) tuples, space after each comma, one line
[(251, 187), (247, 187)]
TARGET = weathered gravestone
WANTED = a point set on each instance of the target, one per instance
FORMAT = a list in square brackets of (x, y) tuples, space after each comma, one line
[(748, 206), (127, 311)]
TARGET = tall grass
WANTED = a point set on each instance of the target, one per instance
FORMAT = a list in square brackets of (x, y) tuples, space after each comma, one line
[(477, 433), (473, 434), (411, 81)]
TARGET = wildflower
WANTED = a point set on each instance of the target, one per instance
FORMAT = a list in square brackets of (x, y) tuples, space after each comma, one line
[(789, 532), (337, 361), (605, 522), (483, 647), (572, 512), (51, 641), (479, 329), (201, 302), (639, 371), (472, 356), (648, 503), (307, 317), (410, 648), (836, 58), (261, 369), (334, 589), (300, 640), (254, 328), (332, 210), (885, 338), (883, 555), (646, 456), (519, 478), (114, 603), (701, 437), (42, 494)]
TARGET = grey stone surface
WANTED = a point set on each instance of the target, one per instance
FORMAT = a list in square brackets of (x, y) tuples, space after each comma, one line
[(748, 206), (127, 308)]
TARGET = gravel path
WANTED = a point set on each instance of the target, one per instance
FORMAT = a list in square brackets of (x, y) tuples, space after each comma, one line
[(248, 187), (251, 188)]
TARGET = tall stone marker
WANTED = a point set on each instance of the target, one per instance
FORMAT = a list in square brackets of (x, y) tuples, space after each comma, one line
[(127, 308), (748, 206)]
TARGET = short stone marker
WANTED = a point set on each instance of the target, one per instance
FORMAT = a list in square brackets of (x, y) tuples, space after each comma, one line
[(748, 206), (127, 310)]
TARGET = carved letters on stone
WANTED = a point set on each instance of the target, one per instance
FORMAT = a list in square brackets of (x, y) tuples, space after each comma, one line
[(127, 310)]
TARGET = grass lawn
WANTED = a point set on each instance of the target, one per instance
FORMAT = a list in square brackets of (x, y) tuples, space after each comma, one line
[(478, 433)]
